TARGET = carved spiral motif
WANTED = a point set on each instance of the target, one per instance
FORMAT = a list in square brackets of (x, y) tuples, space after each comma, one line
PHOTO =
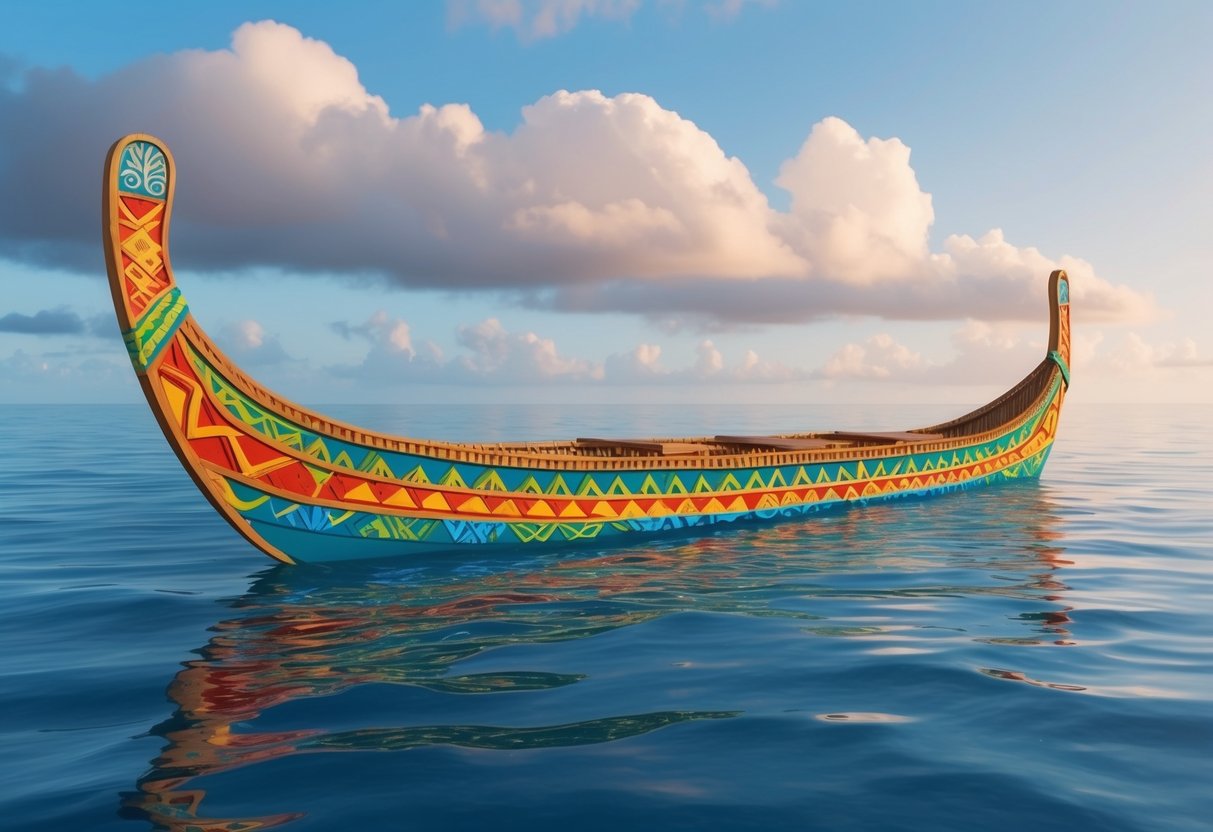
[(144, 168)]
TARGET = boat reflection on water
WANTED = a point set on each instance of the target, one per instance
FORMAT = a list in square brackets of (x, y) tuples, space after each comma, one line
[(306, 632)]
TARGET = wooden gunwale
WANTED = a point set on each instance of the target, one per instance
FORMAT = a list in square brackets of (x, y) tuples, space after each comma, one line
[(379, 508), (990, 412), (501, 455)]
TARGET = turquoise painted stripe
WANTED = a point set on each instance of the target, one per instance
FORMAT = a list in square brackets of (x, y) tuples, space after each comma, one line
[(1056, 358), (308, 533), (155, 329)]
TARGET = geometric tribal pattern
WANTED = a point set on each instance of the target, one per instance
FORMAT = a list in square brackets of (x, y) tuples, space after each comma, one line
[(266, 510), (465, 517), (282, 477), (148, 296), (328, 454), (302, 488)]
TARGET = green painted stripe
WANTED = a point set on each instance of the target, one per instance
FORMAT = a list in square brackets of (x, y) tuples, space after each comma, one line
[(155, 329), (1055, 356)]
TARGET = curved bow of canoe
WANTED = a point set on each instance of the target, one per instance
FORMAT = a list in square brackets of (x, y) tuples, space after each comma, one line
[(303, 487)]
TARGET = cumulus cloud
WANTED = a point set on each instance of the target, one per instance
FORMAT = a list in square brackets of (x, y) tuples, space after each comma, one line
[(708, 360), (755, 368), (643, 365), (1185, 353), (488, 353), (592, 203), (247, 342), (249, 334), (1112, 361), (392, 335), (1134, 353), (879, 357), (491, 350), (998, 354), (982, 353), (857, 208)]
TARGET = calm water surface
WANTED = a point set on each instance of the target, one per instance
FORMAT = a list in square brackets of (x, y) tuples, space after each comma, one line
[(1035, 656)]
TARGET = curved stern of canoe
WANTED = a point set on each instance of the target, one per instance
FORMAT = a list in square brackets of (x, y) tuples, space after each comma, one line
[(137, 202), (303, 487), (1052, 374)]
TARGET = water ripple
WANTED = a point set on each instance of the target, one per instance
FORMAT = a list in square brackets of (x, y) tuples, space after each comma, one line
[(698, 683)]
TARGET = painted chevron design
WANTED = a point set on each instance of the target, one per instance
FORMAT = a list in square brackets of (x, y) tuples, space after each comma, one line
[(279, 476)]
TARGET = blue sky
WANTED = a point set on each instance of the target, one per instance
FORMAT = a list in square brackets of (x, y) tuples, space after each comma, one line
[(614, 201)]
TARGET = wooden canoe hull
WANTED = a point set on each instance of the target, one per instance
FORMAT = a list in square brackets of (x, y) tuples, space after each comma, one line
[(305, 488)]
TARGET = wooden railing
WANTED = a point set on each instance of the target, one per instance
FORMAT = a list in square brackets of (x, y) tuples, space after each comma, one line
[(1003, 409)]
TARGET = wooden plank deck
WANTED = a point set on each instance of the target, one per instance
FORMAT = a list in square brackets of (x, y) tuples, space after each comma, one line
[(650, 446), (884, 437), (778, 443)]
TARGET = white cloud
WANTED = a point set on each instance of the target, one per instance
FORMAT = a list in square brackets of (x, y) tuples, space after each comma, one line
[(518, 356), (755, 368), (708, 360), (991, 261), (647, 355), (879, 357), (488, 353), (393, 335), (614, 224), (1140, 367), (980, 334), (592, 203), (248, 343), (1000, 354), (1185, 353), (983, 354), (400, 340), (1084, 347), (249, 334), (1134, 353), (641, 365), (302, 75), (858, 213)]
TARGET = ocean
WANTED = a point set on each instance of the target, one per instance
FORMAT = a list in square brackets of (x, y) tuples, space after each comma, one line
[(1032, 656)]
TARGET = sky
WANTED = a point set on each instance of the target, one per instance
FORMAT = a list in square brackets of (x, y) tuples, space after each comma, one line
[(624, 200)]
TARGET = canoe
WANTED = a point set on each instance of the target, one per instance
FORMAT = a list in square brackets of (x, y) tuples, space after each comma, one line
[(302, 487)]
